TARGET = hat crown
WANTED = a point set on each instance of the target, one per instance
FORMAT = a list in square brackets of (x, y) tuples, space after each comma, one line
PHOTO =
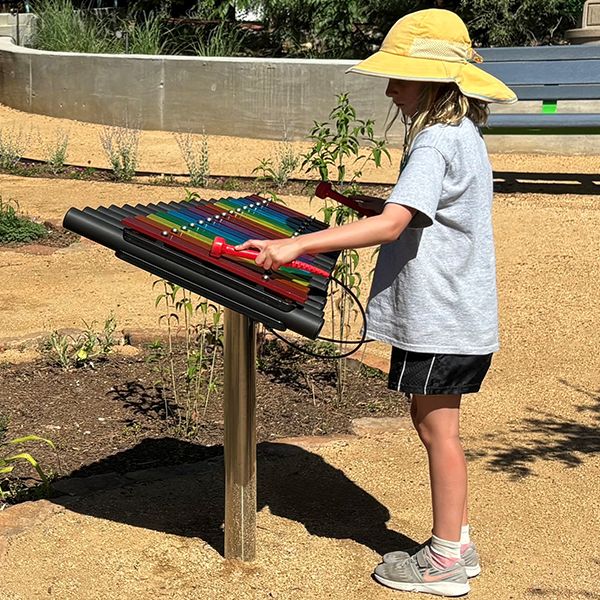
[(434, 45), (434, 33)]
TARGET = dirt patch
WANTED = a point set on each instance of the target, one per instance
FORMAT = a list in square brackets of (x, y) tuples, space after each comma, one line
[(92, 414), (56, 237)]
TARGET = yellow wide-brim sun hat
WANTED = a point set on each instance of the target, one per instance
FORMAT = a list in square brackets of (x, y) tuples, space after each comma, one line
[(434, 45)]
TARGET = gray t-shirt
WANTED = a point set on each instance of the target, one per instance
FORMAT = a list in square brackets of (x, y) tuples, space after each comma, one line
[(434, 289)]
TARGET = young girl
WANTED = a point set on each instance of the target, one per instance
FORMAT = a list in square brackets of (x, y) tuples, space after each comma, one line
[(433, 296)]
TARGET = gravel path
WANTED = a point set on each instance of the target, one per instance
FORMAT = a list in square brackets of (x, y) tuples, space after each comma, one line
[(327, 511)]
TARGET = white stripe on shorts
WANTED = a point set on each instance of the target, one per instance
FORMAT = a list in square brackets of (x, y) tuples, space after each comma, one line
[(428, 374), (402, 373)]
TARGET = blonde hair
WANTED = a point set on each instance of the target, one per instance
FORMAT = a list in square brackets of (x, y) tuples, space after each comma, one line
[(440, 103)]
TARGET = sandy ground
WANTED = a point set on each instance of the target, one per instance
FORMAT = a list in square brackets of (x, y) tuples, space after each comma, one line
[(531, 434)]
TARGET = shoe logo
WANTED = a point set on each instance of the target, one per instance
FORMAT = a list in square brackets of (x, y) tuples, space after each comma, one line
[(429, 577)]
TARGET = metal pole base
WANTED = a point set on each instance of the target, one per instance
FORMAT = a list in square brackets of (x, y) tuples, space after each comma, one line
[(240, 436)]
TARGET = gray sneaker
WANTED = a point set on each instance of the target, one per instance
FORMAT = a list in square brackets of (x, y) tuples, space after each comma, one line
[(470, 557), (418, 573)]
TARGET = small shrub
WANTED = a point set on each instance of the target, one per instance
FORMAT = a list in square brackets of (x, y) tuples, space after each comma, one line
[(280, 168), (341, 141), (12, 147), (15, 228), (231, 184), (71, 352), (195, 155), (120, 146), (56, 151), (336, 145), (201, 323)]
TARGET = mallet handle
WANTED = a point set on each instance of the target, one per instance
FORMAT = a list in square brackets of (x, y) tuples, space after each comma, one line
[(324, 190), (220, 247)]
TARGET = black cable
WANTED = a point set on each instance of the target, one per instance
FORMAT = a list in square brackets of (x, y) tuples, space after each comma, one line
[(358, 343)]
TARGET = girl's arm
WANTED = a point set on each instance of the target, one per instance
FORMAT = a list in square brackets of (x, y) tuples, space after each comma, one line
[(372, 231)]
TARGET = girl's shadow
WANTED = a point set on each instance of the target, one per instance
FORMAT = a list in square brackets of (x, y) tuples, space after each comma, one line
[(299, 485), (292, 482)]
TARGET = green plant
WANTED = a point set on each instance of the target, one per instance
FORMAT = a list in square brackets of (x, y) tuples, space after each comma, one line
[(82, 172), (148, 35), (326, 28), (120, 146), (195, 155), (343, 142), (220, 9), (56, 151), (9, 487), (74, 351), (223, 40), (201, 324), (279, 169), (15, 228), (63, 28), (231, 184), (519, 22), (162, 179), (12, 147)]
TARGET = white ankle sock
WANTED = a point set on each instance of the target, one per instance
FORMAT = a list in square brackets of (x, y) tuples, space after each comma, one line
[(445, 548), (465, 537)]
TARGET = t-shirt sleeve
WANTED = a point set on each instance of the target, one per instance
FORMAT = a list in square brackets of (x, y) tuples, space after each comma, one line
[(420, 185)]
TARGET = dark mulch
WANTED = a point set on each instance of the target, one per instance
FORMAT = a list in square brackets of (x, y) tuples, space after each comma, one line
[(58, 237), (34, 168), (92, 414)]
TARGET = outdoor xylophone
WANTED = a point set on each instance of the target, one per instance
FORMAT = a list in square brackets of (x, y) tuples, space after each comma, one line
[(191, 244)]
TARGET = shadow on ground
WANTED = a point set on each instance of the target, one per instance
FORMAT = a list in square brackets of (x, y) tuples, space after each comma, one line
[(546, 183), (292, 482), (544, 436)]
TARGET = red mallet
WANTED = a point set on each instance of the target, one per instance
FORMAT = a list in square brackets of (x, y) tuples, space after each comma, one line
[(220, 247), (324, 190)]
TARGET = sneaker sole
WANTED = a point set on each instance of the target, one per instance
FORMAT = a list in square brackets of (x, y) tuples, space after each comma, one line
[(473, 571), (443, 588)]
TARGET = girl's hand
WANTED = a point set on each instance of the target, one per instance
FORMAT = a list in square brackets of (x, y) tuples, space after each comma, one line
[(273, 253), (370, 202)]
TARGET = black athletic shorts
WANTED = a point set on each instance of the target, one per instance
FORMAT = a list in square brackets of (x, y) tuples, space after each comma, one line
[(429, 374)]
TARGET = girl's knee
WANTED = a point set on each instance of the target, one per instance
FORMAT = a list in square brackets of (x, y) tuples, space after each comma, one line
[(426, 436), (436, 418)]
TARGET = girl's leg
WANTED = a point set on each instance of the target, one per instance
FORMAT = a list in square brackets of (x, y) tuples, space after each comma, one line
[(436, 419), (437, 567)]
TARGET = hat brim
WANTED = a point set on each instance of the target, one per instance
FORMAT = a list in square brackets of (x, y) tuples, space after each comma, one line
[(471, 80)]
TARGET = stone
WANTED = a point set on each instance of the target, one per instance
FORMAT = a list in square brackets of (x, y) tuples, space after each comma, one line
[(15, 519)]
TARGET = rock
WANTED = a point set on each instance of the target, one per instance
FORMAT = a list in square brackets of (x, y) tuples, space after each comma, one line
[(15, 519)]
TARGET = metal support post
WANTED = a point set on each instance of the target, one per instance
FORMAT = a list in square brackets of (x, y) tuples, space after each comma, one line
[(240, 436)]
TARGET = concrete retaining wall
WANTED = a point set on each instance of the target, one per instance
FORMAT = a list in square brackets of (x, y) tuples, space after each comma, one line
[(256, 98), (19, 29)]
